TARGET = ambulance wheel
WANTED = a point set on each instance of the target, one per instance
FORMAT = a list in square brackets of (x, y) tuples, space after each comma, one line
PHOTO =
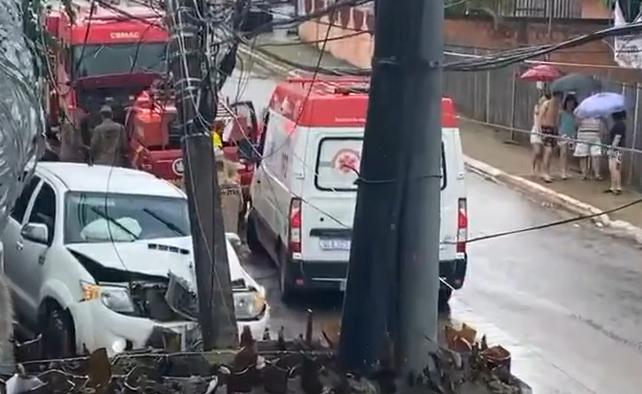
[(444, 297), (285, 284), (252, 235)]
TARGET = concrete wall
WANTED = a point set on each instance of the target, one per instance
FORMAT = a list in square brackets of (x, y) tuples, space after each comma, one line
[(594, 9)]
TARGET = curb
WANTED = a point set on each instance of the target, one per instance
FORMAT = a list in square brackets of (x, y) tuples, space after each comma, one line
[(571, 204)]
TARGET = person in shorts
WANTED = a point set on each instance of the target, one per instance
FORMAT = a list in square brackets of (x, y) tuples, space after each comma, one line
[(549, 119), (616, 140), (535, 137), (588, 149), (568, 128)]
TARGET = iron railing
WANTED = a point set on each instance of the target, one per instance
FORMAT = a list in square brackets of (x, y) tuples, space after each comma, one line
[(555, 9)]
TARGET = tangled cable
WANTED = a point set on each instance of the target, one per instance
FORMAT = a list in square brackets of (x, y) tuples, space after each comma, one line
[(21, 119)]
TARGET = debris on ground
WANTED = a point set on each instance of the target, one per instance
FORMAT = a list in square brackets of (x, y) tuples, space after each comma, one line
[(305, 365)]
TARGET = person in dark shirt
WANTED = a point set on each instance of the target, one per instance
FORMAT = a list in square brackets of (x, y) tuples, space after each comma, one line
[(616, 140)]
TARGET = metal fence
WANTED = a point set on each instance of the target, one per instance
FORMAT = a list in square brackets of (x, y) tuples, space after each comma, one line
[(501, 100), (556, 9)]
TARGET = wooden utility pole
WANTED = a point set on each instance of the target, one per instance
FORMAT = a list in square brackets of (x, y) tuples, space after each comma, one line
[(186, 59)]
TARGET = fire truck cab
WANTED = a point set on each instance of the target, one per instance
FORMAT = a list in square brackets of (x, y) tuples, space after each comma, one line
[(103, 53)]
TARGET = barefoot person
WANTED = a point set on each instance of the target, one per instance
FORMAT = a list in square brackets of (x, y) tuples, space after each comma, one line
[(536, 139), (549, 118), (616, 140), (568, 129)]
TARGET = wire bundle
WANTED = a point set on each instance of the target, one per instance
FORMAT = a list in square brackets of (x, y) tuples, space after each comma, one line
[(21, 118)]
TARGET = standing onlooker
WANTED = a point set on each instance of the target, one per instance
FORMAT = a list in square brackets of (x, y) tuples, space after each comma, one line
[(568, 128), (549, 118), (231, 193), (536, 139), (109, 145), (616, 140), (72, 148), (588, 148)]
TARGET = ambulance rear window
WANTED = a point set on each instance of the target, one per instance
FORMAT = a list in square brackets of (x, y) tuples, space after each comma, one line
[(338, 163)]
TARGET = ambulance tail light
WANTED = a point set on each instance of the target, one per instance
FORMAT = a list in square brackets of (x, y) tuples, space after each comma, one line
[(295, 226), (462, 226)]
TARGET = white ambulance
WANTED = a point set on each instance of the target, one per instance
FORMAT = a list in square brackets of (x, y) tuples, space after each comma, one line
[(304, 193)]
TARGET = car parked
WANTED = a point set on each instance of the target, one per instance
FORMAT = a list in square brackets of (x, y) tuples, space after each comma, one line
[(98, 257)]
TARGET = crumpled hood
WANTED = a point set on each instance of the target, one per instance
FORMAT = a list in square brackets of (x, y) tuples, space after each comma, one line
[(155, 257)]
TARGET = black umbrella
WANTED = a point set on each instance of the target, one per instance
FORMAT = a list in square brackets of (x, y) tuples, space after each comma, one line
[(578, 83)]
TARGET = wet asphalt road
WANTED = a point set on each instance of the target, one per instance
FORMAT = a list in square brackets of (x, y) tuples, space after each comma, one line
[(567, 301)]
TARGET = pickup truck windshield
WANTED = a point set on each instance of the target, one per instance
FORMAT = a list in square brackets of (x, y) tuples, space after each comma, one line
[(118, 59), (96, 217)]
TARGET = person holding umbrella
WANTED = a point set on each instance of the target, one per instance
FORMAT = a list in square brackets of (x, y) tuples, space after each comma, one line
[(592, 110), (541, 74), (535, 138)]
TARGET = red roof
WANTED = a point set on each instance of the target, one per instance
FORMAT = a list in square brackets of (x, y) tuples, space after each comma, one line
[(336, 102)]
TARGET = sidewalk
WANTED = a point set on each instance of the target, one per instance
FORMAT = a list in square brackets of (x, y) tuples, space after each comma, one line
[(487, 145), (490, 156)]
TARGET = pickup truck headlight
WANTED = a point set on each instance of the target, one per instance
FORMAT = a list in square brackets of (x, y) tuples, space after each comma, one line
[(248, 305), (113, 297)]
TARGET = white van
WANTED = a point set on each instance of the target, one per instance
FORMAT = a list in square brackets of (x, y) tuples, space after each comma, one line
[(304, 194)]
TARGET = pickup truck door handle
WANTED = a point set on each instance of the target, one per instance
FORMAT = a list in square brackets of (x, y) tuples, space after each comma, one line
[(19, 245), (41, 259)]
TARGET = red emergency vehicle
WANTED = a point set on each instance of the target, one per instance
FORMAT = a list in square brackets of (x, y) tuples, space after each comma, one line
[(108, 51), (304, 190), (156, 140)]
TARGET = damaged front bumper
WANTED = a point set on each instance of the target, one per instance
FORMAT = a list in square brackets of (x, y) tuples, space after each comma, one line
[(96, 326)]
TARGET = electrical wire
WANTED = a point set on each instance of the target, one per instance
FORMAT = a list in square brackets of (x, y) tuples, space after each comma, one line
[(551, 224)]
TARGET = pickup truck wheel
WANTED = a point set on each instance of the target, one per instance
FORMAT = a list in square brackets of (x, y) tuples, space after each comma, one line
[(444, 297), (58, 335), (252, 236)]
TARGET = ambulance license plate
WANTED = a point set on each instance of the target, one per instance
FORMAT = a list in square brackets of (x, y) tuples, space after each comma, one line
[(334, 244)]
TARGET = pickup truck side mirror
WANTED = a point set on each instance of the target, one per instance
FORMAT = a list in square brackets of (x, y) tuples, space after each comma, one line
[(35, 232)]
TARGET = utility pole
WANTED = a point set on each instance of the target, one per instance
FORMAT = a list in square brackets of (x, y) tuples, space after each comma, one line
[(216, 306), (419, 230), (393, 282)]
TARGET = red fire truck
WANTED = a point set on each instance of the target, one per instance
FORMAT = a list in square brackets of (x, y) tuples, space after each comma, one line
[(156, 138), (108, 51)]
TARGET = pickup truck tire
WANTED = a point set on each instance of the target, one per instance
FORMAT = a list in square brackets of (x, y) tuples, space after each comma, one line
[(58, 334), (252, 235)]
